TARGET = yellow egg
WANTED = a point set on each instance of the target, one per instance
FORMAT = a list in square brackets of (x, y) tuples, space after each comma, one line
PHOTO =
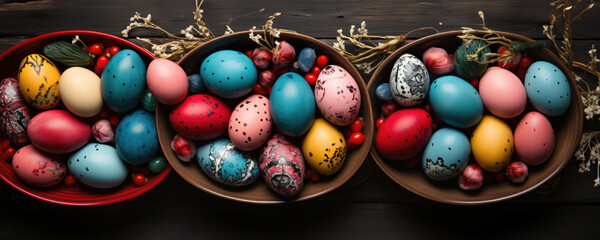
[(38, 81), (80, 91), (324, 147), (492, 144)]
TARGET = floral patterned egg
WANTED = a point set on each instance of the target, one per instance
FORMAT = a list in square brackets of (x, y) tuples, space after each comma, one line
[(14, 113), (249, 127), (38, 168), (337, 95), (38, 81), (409, 81), (282, 166), (224, 163)]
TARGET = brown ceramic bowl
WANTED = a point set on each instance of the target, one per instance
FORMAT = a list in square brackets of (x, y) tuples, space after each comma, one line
[(567, 129), (258, 192)]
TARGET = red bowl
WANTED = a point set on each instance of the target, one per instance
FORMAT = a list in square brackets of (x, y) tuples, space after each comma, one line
[(78, 195)]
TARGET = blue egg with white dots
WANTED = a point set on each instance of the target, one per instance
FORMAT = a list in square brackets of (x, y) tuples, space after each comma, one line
[(455, 101), (384, 93), (123, 81), (195, 84), (228, 74), (226, 164), (136, 138), (547, 88), (446, 154), (98, 165)]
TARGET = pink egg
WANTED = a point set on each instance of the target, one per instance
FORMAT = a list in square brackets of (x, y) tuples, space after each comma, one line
[(534, 138), (248, 127), (502, 92), (58, 131), (167, 81), (337, 95), (38, 168)]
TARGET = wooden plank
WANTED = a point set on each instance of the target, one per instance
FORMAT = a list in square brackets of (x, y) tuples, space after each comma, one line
[(319, 19)]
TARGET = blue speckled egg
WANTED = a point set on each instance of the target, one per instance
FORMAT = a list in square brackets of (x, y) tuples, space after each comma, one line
[(226, 164), (123, 81), (306, 59), (292, 104), (446, 154), (455, 101), (547, 88), (228, 73), (136, 138), (384, 93), (195, 84), (98, 165)]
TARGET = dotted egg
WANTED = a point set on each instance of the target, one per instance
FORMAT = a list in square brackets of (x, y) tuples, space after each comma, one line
[(98, 165), (228, 74), (547, 88)]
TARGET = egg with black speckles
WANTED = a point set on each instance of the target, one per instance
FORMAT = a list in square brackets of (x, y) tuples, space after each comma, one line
[(409, 81), (200, 117), (136, 139), (228, 73), (221, 161), (337, 95), (547, 88), (123, 81), (446, 154), (38, 82), (250, 123), (98, 165), (324, 147)]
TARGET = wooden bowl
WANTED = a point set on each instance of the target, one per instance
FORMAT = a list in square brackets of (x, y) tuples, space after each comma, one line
[(78, 195), (567, 129), (258, 192)]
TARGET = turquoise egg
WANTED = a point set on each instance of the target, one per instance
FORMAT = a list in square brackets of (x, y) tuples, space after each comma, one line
[(547, 88), (292, 104), (124, 81), (226, 164), (228, 74), (136, 138), (446, 154), (455, 101), (98, 165)]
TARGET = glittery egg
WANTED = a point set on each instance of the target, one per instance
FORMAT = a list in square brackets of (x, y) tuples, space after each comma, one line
[(409, 81), (224, 163), (337, 95)]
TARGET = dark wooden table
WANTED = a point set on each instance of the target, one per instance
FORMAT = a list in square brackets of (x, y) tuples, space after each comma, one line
[(370, 205)]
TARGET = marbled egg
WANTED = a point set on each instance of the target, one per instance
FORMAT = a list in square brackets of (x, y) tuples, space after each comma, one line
[(228, 74), (409, 80), (224, 163), (324, 147), (502, 92), (249, 126), (80, 91), (167, 81), (136, 139), (455, 101), (547, 88), (58, 131), (534, 139), (446, 154), (123, 81), (200, 117), (98, 165), (403, 134), (38, 82), (282, 166), (292, 104), (14, 113), (337, 95), (492, 144), (38, 168)]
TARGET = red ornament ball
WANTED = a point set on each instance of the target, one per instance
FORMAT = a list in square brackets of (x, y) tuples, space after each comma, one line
[(357, 138), (311, 79), (471, 178), (70, 180), (517, 172), (322, 61), (139, 179), (96, 49), (357, 125)]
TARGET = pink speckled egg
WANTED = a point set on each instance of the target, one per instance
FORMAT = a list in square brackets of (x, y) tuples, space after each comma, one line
[(37, 168), (249, 127), (167, 81), (502, 92), (337, 95), (534, 138)]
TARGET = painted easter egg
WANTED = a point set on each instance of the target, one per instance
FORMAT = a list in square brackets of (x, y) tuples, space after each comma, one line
[(228, 74), (409, 81), (38, 168), (38, 82), (200, 117), (292, 104), (80, 91), (282, 166), (224, 163), (58, 131), (14, 113), (547, 88), (123, 81), (446, 154), (136, 139), (167, 81), (534, 138), (248, 124), (98, 165), (403, 134), (337, 95), (502, 92), (492, 144), (455, 101), (324, 147)]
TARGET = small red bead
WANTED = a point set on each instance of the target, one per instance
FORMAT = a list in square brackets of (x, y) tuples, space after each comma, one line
[(356, 138), (311, 79), (114, 121), (96, 49), (525, 62), (322, 61), (316, 70), (357, 125), (113, 50), (315, 177), (139, 179), (70, 180), (249, 53), (521, 73), (259, 90), (102, 61), (379, 122), (9, 153)]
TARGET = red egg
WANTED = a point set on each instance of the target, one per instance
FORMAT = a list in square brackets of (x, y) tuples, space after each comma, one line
[(403, 134), (58, 131), (200, 117)]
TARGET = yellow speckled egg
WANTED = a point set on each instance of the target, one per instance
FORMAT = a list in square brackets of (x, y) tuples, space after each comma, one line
[(80, 91), (492, 144), (324, 147), (38, 81)]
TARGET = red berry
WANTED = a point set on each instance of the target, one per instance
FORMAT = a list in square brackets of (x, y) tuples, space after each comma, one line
[(316, 70), (349, 145), (347, 131), (525, 62), (521, 73), (315, 177), (249, 53), (102, 61), (114, 121), (259, 90), (357, 125), (104, 113), (389, 107), (113, 51), (98, 70), (96, 49), (379, 122), (357, 138), (266, 79), (474, 82), (311, 79), (9, 153), (139, 179), (261, 58), (509, 62), (322, 61), (70, 180), (280, 71)]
